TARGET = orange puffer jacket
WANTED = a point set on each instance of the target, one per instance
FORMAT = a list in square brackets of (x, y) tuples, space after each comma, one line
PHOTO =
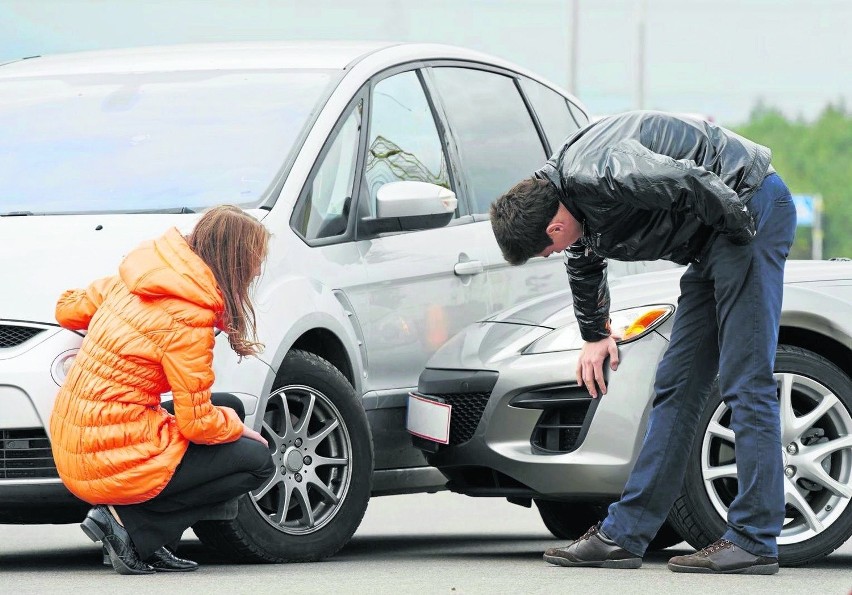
[(150, 330)]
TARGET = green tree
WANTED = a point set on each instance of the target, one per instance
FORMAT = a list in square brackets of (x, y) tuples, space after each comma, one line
[(813, 158)]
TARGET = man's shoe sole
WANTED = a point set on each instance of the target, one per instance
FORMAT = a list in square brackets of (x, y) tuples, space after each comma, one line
[(762, 569), (628, 563)]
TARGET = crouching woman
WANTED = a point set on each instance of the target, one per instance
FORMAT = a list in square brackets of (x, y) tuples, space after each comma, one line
[(151, 472)]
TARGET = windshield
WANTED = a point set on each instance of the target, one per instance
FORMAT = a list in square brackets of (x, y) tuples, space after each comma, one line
[(150, 141)]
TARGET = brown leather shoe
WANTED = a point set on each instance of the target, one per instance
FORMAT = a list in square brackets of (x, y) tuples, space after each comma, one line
[(594, 549), (724, 557)]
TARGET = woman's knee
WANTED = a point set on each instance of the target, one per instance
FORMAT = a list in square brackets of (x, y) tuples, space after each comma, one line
[(229, 400), (258, 459)]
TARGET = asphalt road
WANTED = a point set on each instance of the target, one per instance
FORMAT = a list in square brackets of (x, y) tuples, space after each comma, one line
[(439, 543)]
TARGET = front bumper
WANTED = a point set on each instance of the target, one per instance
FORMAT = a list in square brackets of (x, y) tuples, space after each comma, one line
[(516, 451)]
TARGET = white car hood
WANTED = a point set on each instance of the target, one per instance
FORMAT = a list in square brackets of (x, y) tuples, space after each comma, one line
[(42, 256)]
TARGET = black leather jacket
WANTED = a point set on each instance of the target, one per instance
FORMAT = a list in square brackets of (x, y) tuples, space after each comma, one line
[(648, 186)]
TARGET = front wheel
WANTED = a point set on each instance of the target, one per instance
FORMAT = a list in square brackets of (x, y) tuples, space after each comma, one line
[(320, 441), (816, 439)]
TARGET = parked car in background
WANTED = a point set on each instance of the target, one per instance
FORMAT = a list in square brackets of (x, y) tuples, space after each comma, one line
[(372, 164), (499, 412)]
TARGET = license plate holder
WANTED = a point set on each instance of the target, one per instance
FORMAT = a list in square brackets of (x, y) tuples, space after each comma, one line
[(428, 418)]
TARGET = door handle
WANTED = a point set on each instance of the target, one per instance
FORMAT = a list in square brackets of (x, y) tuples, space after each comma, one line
[(470, 267)]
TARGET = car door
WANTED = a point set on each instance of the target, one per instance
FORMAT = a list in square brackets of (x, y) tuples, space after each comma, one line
[(421, 287), (498, 143)]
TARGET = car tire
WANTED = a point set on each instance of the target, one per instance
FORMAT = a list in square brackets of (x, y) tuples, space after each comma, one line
[(808, 382), (310, 508), (570, 520)]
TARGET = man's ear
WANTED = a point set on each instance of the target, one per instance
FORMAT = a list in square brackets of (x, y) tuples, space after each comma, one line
[(554, 228)]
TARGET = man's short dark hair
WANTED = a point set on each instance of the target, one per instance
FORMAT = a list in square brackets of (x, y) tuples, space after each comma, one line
[(520, 218)]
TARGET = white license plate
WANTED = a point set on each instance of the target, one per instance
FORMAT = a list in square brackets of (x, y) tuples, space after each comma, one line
[(428, 419)]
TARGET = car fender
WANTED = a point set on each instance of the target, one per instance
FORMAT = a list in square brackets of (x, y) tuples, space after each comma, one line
[(819, 312), (286, 310)]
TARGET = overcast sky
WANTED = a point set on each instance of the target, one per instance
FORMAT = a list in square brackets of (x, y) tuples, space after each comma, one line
[(715, 57)]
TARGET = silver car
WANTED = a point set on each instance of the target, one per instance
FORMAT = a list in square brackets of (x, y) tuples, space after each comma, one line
[(499, 412), (372, 164)]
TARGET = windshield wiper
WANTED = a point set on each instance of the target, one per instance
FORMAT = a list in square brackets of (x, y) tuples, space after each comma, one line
[(165, 211)]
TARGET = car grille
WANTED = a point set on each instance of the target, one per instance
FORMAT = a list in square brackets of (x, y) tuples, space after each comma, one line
[(466, 413), (562, 429), (26, 454), (12, 336)]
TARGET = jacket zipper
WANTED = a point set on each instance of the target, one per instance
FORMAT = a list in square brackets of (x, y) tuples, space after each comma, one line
[(591, 242)]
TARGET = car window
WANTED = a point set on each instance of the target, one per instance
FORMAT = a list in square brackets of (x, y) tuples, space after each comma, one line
[(552, 111), (323, 210), (498, 142), (579, 116), (404, 144)]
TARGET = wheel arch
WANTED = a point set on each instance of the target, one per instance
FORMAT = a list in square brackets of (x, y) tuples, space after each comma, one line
[(327, 345), (832, 350), (818, 322)]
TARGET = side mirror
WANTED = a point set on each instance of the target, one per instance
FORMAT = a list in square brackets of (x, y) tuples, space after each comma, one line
[(410, 206)]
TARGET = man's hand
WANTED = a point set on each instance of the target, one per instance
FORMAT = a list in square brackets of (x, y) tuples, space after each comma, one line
[(590, 364), (249, 433), (744, 236)]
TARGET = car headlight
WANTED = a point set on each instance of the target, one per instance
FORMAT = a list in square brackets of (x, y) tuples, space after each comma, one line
[(629, 325), (61, 365)]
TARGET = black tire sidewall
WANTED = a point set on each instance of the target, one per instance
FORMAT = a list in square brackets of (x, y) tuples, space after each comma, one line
[(569, 520)]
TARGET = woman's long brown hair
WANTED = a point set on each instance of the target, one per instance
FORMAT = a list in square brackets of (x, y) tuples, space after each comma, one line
[(234, 245)]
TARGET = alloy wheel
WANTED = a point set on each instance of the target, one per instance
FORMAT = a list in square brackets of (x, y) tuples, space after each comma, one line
[(311, 448), (816, 439)]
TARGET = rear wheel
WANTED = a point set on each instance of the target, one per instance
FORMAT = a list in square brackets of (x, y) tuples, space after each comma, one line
[(569, 520), (321, 444), (816, 437)]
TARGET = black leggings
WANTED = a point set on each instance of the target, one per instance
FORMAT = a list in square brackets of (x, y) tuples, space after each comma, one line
[(207, 476)]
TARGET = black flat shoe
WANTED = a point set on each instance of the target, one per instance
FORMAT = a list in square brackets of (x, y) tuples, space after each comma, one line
[(163, 560), (99, 525)]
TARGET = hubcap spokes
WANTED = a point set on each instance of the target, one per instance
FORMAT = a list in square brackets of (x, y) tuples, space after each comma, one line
[(816, 439), (311, 449)]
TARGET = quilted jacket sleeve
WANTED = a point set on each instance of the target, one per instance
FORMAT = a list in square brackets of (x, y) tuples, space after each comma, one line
[(75, 307), (188, 365), (634, 174), (590, 291)]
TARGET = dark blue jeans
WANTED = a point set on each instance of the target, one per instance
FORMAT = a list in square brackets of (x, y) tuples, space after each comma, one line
[(727, 323)]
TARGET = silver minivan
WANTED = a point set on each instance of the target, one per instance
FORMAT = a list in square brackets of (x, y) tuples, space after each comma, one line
[(373, 165)]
